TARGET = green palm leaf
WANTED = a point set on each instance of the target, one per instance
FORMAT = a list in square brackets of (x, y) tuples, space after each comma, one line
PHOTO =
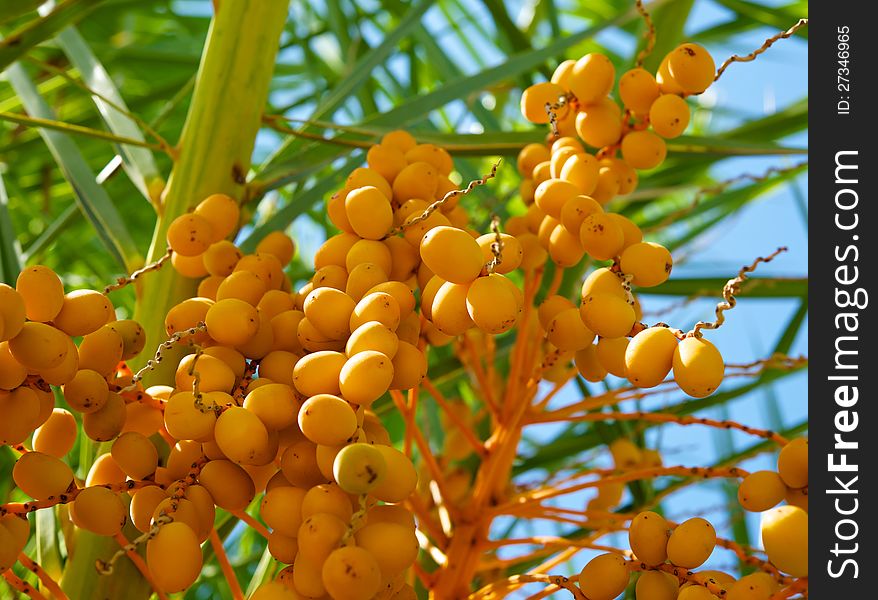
[(93, 200), (37, 31)]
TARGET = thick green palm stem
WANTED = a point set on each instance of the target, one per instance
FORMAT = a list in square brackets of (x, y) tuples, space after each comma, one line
[(81, 579), (216, 144)]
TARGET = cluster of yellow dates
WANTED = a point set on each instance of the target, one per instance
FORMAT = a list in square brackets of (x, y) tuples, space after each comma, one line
[(659, 546), (39, 324), (286, 381), (567, 188)]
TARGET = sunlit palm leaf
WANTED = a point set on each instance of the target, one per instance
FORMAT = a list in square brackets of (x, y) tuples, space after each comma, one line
[(37, 31), (137, 162), (10, 260), (93, 200)]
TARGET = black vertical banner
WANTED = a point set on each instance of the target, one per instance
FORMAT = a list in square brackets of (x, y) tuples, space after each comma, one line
[(843, 270)]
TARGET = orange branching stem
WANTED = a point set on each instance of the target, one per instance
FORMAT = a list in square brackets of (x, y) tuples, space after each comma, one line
[(474, 362), (556, 282), (487, 565), (731, 288), (550, 515), (411, 422), (560, 558), (251, 522), (563, 557), (422, 444), (465, 550), (178, 337), (169, 439), (680, 484), (431, 549), (23, 508), (445, 199), (663, 418), (122, 282), (634, 475), (441, 508), (240, 390), (421, 574), (551, 540), (544, 594), (648, 35), (191, 477), (407, 436), (798, 587), (552, 109), (558, 479), (426, 524), (465, 429), (556, 518), (490, 356), (497, 588), (504, 564), (678, 470), (579, 518), (775, 361), (589, 513), (611, 397), (519, 349), (223, 560), (746, 557), (566, 583), (682, 574), (51, 585), (402, 406), (542, 404), (496, 246), (750, 373), (106, 567), (765, 46), (138, 562), (22, 586)]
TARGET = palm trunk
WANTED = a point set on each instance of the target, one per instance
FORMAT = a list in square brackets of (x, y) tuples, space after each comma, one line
[(216, 144)]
